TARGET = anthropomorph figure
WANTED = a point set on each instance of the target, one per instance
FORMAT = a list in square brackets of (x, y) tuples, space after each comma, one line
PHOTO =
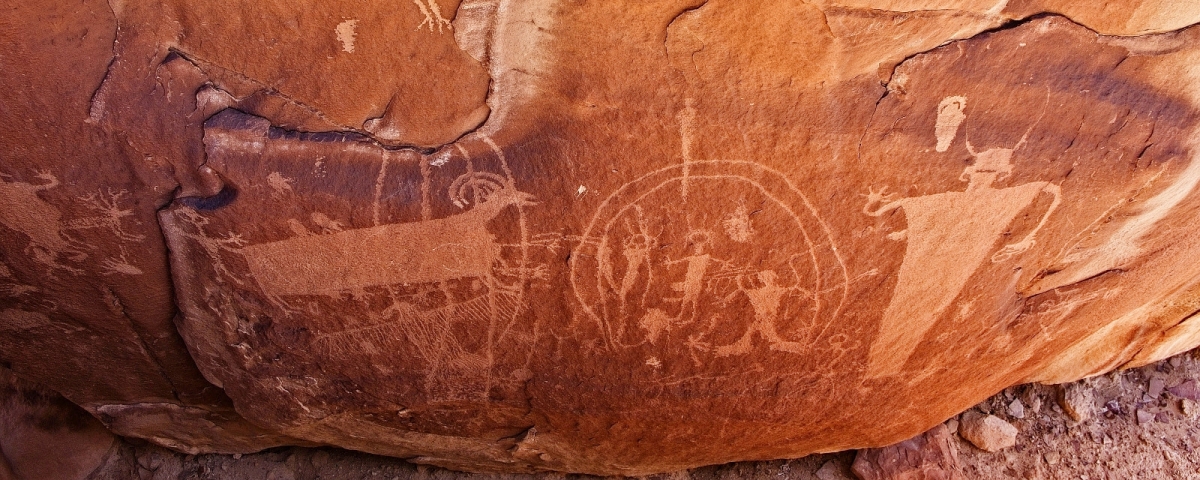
[(637, 257), (693, 279), (765, 300), (948, 236)]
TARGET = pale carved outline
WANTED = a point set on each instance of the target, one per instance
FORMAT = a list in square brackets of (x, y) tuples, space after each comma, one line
[(589, 281), (949, 235)]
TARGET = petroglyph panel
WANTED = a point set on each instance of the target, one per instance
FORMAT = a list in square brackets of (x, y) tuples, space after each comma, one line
[(652, 270), (57, 243), (405, 278), (605, 237)]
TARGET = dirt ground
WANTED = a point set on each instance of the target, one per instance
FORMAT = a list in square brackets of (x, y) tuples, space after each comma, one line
[(1143, 425)]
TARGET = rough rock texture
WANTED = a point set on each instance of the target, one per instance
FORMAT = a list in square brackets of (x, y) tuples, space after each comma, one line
[(932, 455), (988, 432), (1050, 445), (1077, 401), (591, 236), (44, 436)]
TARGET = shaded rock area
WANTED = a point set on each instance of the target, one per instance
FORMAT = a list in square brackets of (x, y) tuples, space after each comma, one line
[(1049, 444), (932, 455), (44, 436)]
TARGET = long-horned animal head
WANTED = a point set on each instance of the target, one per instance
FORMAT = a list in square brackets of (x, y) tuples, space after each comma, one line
[(487, 189)]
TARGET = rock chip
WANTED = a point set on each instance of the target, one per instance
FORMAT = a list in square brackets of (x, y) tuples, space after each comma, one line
[(1155, 387), (1016, 409), (1077, 400), (988, 432), (1144, 417), (1052, 458), (1187, 389), (829, 471), (1188, 407), (932, 455)]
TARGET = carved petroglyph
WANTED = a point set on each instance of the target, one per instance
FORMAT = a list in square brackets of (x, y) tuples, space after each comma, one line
[(319, 169), (737, 224), (431, 294), (426, 194), (192, 225), (345, 32), (50, 243), (22, 210), (433, 16), (378, 204), (766, 300), (697, 268), (110, 216), (281, 186), (406, 326), (636, 250), (948, 236), (429, 251), (650, 270), (1065, 302), (949, 116), (121, 265), (325, 225)]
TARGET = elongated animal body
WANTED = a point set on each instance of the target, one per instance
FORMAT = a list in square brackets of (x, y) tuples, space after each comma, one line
[(459, 246)]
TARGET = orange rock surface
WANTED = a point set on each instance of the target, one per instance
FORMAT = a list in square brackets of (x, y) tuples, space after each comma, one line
[(602, 237)]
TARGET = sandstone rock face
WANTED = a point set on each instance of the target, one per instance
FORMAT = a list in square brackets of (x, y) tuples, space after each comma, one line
[(589, 237)]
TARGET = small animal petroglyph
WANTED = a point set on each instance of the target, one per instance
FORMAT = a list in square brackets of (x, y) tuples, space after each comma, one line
[(192, 225), (110, 216), (280, 185), (327, 224)]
